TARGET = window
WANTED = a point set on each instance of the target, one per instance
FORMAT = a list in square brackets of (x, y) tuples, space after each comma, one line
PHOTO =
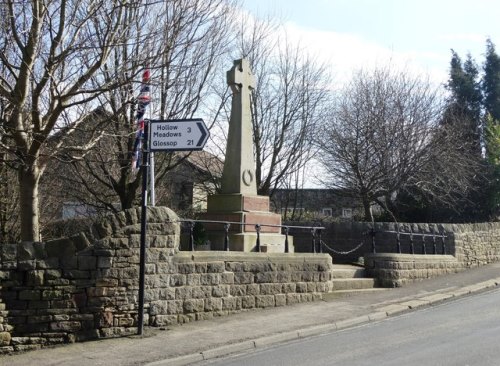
[(327, 212), (347, 213)]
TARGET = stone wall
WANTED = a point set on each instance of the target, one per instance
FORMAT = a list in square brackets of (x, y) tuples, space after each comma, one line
[(471, 244), (208, 284), (394, 270), (86, 286)]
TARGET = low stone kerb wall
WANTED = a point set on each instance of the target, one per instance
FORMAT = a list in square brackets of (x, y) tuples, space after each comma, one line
[(394, 270)]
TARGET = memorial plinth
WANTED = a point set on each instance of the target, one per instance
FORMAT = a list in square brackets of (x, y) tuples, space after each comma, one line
[(239, 202)]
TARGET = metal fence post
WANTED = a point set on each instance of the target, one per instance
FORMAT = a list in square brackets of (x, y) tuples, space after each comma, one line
[(319, 241), (434, 247), (191, 235), (424, 250), (398, 240), (286, 239), (313, 245), (257, 229), (412, 247), (226, 236), (443, 242)]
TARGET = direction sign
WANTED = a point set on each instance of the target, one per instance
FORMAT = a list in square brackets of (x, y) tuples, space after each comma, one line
[(177, 135)]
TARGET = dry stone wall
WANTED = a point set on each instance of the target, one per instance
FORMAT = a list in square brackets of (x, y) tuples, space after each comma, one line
[(86, 286)]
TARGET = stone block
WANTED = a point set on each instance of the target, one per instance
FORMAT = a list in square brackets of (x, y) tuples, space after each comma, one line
[(266, 277), (194, 305), (186, 318), (210, 279), (164, 320), (234, 267), (186, 268), (283, 277), (270, 288), (231, 303), (213, 304), (220, 291), (200, 267), (164, 267), (174, 307), (182, 293), (306, 297), (264, 301), (193, 279), (204, 316), (292, 299), (67, 326), (253, 289), (54, 295), (227, 278), (280, 299), (301, 287), (243, 278), (5, 339), (248, 302), (158, 307), (238, 290), (289, 288), (178, 280), (215, 267), (200, 292), (311, 287)]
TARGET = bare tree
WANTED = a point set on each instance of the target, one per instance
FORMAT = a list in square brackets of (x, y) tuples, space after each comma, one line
[(50, 53), (287, 103), (384, 137), (181, 43)]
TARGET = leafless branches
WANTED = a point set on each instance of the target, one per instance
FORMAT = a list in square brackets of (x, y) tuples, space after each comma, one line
[(384, 137)]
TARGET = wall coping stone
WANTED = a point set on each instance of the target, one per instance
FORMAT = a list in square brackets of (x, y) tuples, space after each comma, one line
[(396, 257), (219, 256)]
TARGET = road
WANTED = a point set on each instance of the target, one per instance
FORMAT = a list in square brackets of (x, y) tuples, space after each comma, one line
[(457, 333)]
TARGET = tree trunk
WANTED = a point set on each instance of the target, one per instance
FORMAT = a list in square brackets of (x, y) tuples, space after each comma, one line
[(368, 209), (29, 177)]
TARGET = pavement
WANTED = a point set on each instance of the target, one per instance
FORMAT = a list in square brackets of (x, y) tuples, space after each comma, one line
[(256, 329)]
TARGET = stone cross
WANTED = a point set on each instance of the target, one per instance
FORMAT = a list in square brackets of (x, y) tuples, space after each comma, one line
[(238, 175)]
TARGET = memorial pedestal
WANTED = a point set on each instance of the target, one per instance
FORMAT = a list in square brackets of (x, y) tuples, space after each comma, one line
[(249, 211)]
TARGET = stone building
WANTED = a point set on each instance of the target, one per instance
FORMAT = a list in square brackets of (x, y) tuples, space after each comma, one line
[(299, 204)]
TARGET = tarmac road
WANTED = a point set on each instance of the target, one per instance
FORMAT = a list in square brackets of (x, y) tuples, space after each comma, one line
[(461, 332)]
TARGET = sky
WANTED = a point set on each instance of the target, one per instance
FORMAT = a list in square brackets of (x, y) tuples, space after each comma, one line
[(419, 34)]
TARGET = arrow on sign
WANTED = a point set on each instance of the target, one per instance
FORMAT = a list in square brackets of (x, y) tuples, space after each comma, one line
[(178, 135)]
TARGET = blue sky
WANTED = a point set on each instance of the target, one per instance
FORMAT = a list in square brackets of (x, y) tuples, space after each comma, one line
[(349, 34)]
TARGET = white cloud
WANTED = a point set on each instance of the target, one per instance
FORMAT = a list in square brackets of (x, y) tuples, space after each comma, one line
[(347, 52)]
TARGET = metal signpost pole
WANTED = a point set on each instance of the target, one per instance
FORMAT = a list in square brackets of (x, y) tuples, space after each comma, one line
[(169, 135), (142, 255)]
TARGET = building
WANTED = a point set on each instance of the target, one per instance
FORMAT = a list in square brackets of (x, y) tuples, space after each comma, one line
[(309, 203)]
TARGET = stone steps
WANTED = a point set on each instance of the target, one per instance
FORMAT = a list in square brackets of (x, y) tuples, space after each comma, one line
[(347, 271), (350, 278), (352, 283)]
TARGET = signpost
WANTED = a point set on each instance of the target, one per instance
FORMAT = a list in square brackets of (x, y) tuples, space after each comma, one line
[(177, 135), (168, 135)]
